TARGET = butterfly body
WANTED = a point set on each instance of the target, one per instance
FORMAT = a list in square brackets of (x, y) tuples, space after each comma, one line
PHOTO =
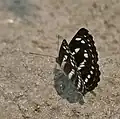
[(78, 59)]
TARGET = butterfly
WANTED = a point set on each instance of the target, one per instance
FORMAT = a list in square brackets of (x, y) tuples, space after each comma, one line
[(78, 60)]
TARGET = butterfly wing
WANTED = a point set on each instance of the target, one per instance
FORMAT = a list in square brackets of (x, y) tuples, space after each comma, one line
[(84, 51), (68, 65), (65, 59)]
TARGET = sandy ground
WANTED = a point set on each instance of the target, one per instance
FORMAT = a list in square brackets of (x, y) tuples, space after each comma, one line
[(28, 85)]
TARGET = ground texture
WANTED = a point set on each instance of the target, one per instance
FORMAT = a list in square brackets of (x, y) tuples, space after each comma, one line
[(28, 86)]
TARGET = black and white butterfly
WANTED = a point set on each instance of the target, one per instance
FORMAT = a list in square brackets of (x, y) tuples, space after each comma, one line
[(78, 59)]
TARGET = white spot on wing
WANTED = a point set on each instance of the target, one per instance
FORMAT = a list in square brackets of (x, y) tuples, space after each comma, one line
[(78, 76), (83, 41), (79, 83), (86, 80), (67, 51), (88, 76), (77, 49), (82, 65), (83, 62), (86, 55), (72, 64), (85, 50), (64, 47), (90, 50), (63, 64), (65, 56), (79, 68), (91, 72), (73, 53), (92, 67), (89, 45), (71, 74), (78, 39), (93, 56)]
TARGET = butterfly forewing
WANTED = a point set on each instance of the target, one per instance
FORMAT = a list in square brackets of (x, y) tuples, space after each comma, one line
[(69, 66), (86, 58), (66, 60)]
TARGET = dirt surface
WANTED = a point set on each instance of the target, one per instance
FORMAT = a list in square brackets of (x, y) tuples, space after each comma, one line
[(28, 86)]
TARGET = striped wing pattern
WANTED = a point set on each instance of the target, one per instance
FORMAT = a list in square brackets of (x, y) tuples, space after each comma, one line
[(78, 60)]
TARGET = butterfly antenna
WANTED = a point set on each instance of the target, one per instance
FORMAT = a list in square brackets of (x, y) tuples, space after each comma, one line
[(34, 53), (58, 36), (41, 54), (58, 42)]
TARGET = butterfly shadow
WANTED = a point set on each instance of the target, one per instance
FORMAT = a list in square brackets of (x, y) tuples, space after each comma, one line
[(65, 88)]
